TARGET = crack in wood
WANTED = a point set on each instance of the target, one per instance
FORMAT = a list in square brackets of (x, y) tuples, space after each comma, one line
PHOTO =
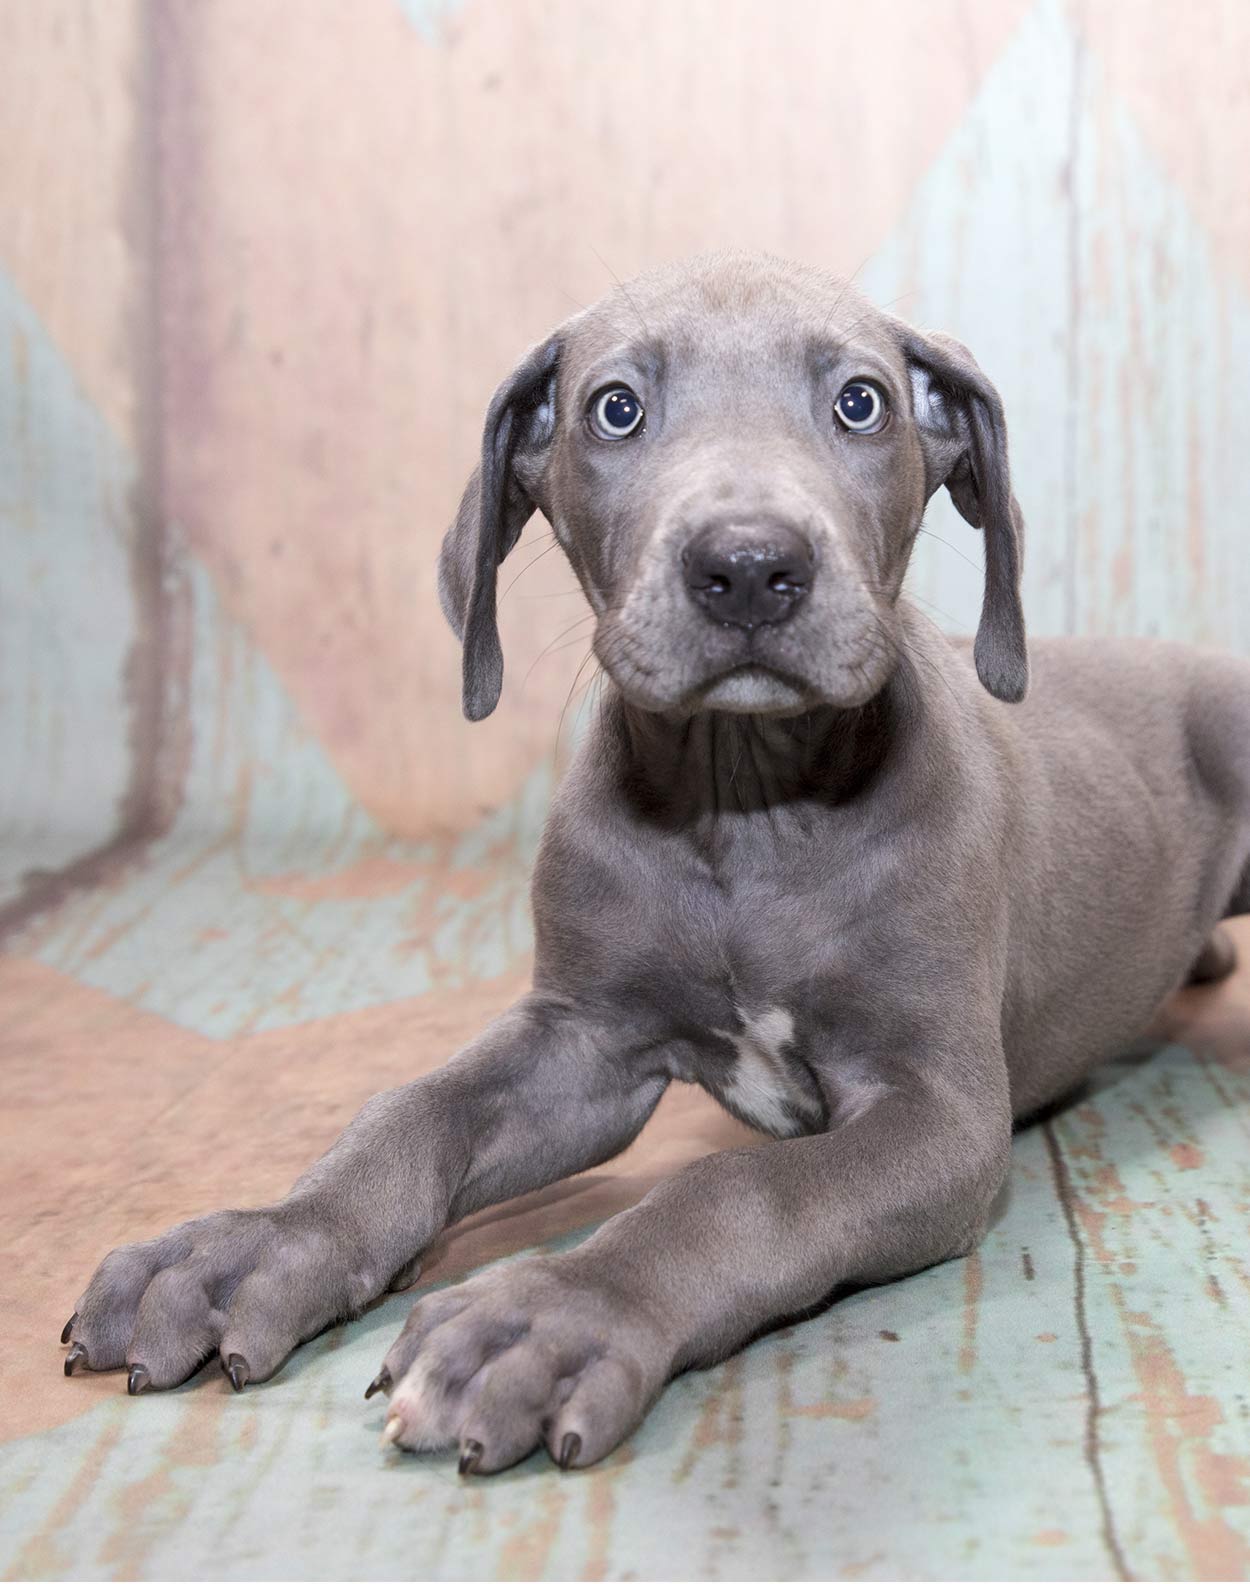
[(1091, 1447)]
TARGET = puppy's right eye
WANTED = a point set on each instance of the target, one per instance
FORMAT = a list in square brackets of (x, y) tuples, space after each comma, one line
[(616, 414), (861, 407)]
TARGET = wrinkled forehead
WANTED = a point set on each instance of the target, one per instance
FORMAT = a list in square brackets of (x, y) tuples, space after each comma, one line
[(735, 317)]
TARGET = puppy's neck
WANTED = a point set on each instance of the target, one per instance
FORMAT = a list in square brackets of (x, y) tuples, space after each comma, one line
[(683, 771)]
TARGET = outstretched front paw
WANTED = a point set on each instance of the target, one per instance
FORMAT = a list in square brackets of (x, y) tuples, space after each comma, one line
[(250, 1284), (540, 1352)]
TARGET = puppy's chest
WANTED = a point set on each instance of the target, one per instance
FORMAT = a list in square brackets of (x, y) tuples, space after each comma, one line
[(742, 977), (741, 971), (756, 1069), (762, 939)]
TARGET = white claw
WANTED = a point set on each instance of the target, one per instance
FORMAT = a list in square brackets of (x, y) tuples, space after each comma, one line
[(392, 1430)]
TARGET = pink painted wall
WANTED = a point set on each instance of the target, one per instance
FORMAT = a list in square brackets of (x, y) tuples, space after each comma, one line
[(275, 258)]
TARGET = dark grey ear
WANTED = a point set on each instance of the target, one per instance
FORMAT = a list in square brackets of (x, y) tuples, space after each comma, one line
[(496, 505), (964, 435)]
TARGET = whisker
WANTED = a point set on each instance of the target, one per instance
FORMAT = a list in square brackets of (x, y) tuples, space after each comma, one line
[(571, 643), (909, 593), (914, 659), (844, 335), (589, 616), (978, 570), (532, 562), (846, 286), (590, 654), (955, 621), (646, 329)]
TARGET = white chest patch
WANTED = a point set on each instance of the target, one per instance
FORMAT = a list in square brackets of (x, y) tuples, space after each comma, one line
[(761, 1087)]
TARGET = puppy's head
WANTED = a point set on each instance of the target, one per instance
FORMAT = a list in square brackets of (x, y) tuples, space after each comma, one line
[(735, 454)]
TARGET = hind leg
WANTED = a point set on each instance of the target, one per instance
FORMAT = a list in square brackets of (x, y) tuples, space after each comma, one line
[(1218, 720), (1216, 960)]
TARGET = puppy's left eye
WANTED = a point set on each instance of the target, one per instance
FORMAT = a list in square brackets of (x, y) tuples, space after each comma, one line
[(861, 407), (616, 414)]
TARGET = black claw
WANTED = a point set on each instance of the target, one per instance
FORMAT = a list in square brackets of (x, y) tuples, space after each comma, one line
[(237, 1371), (72, 1357), (139, 1380), (380, 1382), (69, 1327), (471, 1456), (569, 1448)]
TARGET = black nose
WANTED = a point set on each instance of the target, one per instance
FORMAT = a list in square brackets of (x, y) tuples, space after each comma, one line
[(748, 576)]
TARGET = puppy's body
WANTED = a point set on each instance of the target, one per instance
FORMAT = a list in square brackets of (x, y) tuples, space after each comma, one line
[(811, 855), (1128, 791), (738, 868)]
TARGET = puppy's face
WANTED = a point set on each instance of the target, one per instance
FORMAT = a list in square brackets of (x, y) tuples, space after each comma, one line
[(735, 455)]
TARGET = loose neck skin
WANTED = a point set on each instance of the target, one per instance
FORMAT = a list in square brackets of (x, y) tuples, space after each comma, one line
[(686, 771)]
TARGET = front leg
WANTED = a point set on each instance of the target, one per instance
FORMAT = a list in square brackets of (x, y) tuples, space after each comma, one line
[(571, 1349), (546, 1091)]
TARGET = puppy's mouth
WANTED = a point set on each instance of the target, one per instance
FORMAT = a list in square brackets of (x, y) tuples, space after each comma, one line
[(680, 668), (756, 688)]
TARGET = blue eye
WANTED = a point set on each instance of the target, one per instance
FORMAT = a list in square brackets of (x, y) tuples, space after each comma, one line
[(616, 414), (860, 407)]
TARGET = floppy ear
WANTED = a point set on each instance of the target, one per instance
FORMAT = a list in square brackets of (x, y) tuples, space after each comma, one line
[(964, 436), (496, 505)]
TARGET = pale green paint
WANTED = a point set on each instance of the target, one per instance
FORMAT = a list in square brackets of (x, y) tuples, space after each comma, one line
[(67, 607), (1103, 390), (427, 16), (200, 935)]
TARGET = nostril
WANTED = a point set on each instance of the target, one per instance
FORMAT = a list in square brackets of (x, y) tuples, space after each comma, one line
[(787, 583)]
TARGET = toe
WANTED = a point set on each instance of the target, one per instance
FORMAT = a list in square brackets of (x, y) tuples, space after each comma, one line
[(517, 1393), (425, 1316), (236, 1370), (266, 1322), (607, 1401), (104, 1318), (381, 1382), (176, 1327), (424, 1412)]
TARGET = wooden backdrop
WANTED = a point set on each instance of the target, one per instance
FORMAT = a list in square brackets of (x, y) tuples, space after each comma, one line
[(261, 264)]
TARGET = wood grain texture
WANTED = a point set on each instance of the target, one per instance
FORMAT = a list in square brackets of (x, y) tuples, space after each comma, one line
[(1185, 88), (1066, 1403), (71, 219), (77, 581)]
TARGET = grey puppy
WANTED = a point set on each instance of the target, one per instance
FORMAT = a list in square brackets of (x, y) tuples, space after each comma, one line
[(812, 856)]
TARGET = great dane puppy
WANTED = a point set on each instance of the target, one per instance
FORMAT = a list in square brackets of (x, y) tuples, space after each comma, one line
[(812, 855)]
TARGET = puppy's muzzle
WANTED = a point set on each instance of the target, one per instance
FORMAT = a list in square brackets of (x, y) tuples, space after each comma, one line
[(748, 576)]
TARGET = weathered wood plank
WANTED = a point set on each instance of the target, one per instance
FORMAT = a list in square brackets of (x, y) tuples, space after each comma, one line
[(72, 594)]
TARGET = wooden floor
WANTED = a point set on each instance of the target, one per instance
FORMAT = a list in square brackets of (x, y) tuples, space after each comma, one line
[(1070, 1402)]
